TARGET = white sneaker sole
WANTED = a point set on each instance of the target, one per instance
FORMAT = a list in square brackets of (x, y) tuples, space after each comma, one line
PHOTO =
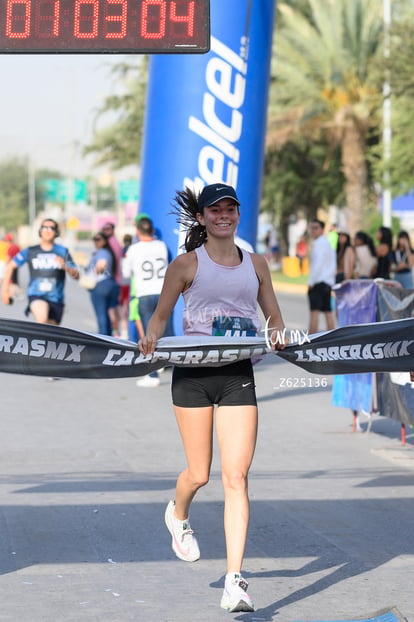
[(242, 605)]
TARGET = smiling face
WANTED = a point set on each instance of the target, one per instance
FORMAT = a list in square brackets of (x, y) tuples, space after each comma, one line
[(221, 218)]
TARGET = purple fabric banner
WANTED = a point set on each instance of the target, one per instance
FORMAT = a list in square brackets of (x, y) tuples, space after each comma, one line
[(356, 303)]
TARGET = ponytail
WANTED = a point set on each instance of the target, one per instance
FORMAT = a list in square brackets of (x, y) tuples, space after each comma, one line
[(185, 207)]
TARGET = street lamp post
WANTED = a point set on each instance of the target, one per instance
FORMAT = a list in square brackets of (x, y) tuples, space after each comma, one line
[(32, 192), (386, 111)]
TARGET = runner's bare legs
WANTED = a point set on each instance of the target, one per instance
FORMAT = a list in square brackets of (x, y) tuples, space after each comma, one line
[(236, 432)]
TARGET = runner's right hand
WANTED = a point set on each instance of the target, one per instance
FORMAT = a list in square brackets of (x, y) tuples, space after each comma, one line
[(147, 344)]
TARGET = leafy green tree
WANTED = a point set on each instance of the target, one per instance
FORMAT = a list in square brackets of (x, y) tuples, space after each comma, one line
[(14, 193), (323, 86), (300, 178), (119, 122), (401, 78)]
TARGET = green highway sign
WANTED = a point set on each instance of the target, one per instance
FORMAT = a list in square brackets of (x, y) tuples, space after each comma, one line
[(128, 191), (64, 190)]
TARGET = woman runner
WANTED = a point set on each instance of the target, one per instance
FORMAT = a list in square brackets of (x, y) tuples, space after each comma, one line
[(221, 285)]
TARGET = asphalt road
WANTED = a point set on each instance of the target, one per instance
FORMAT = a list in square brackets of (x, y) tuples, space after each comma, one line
[(87, 467)]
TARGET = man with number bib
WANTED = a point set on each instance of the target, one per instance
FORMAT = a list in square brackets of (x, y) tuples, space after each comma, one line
[(48, 264), (146, 261)]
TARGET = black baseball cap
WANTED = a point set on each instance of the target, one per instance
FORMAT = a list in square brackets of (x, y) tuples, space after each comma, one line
[(215, 192)]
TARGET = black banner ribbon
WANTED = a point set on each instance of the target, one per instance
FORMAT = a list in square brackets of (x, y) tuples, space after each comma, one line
[(46, 350), (377, 347)]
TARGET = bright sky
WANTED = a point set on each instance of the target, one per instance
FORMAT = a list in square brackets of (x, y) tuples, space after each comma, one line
[(47, 105)]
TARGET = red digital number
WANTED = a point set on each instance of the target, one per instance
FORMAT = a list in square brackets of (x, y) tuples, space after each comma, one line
[(47, 14), (86, 19), (189, 18), (116, 22), (18, 18), (153, 23)]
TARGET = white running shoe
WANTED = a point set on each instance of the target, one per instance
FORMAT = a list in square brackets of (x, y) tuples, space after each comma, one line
[(148, 381), (235, 597), (184, 542)]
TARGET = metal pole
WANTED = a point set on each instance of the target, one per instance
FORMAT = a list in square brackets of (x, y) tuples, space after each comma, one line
[(386, 111), (32, 192)]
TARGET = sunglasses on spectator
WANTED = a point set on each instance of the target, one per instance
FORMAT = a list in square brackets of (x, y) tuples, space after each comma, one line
[(49, 227), (97, 239)]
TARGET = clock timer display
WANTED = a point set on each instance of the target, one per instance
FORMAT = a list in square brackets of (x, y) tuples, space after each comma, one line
[(104, 26)]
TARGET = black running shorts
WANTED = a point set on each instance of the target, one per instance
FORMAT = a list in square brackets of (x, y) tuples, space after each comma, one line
[(55, 309), (320, 297), (229, 385)]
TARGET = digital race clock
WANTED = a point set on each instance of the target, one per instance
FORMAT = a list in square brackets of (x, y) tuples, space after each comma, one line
[(104, 26)]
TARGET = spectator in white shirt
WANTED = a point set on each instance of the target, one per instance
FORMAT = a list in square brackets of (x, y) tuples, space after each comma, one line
[(146, 261), (321, 277)]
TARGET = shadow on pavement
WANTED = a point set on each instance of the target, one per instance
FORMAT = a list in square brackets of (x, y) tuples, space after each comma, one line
[(341, 536)]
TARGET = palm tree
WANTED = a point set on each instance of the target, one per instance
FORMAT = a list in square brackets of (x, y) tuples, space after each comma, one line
[(324, 85)]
